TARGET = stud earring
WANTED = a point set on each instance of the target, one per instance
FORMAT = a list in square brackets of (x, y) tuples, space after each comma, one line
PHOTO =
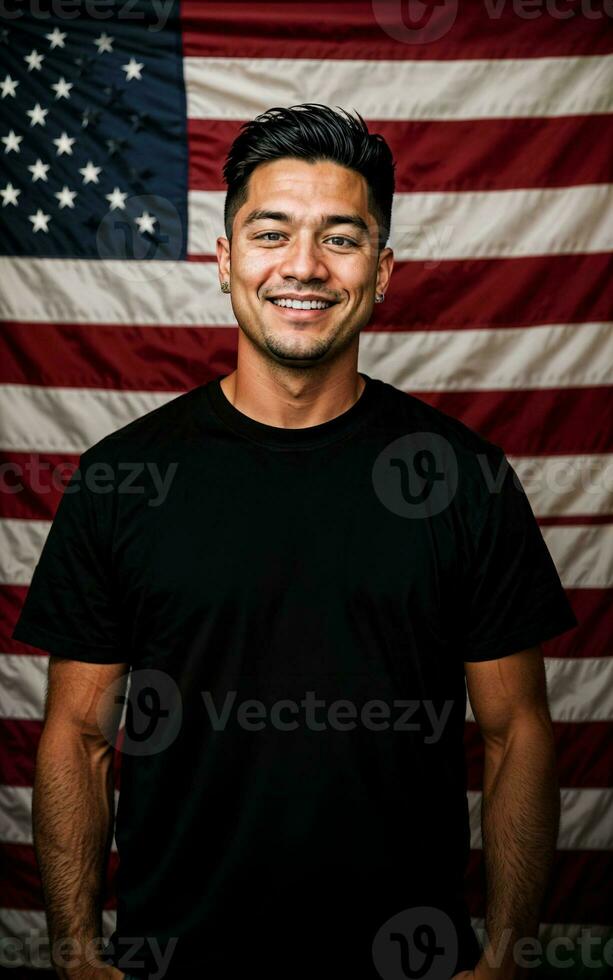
[(379, 297), (225, 287)]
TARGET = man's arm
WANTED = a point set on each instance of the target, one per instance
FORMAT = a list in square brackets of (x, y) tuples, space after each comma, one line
[(521, 799), (72, 810)]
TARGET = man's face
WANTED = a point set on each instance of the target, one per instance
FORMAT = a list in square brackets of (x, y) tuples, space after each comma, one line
[(293, 237)]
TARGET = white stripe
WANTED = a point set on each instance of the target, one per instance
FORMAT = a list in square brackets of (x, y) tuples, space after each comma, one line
[(552, 356), (583, 554), (585, 819), (85, 291), (465, 224), (580, 688), (240, 88), (23, 683), (566, 485), (67, 420), (16, 815)]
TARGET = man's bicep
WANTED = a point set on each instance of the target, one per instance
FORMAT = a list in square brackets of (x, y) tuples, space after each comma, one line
[(506, 691)]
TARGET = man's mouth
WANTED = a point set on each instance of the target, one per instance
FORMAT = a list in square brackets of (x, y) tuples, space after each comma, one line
[(307, 304)]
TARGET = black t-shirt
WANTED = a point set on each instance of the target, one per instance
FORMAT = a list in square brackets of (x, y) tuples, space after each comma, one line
[(296, 606)]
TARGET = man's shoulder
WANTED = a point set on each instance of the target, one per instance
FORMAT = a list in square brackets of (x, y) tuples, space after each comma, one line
[(412, 414), (153, 432)]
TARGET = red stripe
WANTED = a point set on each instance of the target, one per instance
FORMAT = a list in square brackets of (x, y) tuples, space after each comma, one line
[(536, 421), (582, 750), (20, 738), (517, 292), (460, 155), (320, 29), (581, 747), (591, 638), (580, 887)]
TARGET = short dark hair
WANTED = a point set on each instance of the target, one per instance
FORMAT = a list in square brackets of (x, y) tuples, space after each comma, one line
[(311, 132)]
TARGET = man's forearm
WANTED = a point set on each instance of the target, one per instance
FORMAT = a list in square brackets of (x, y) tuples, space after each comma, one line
[(72, 820), (519, 820)]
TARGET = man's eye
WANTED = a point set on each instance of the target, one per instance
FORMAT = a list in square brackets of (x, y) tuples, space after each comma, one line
[(342, 238), (268, 233)]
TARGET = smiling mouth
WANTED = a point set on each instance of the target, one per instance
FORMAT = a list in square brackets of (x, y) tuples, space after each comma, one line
[(307, 304)]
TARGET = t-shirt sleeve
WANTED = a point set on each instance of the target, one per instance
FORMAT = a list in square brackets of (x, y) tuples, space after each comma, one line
[(512, 596), (70, 609)]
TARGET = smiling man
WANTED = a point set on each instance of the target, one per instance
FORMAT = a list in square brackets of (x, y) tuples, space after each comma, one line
[(333, 563)]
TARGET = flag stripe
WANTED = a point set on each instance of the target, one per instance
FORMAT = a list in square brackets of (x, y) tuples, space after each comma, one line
[(454, 155), (457, 295), (384, 89), (581, 751), (582, 554), (576, 830), (580, 887), (490, 28), (436, 227), (579, 690), (581, 754)]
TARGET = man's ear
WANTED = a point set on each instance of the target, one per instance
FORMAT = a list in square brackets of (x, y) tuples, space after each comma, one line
[(222, 248), (384, 269)]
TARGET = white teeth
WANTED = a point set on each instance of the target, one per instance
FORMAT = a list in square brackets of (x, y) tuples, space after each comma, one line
[(296, 304)]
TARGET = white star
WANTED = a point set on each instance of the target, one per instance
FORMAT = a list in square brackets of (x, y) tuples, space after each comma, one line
[(104, 43), (90, 173), (64, 144), (9, 195), (56, 38), (8, 86), (37, 115), (39, 170), (116, 199), (145, 222), (66, 197), (39, 220), (11, 142), (133, 69), (62, 88), (34, 60)]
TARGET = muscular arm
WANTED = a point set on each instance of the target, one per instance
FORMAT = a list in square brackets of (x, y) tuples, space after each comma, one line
[(521, 798), (72, 807)]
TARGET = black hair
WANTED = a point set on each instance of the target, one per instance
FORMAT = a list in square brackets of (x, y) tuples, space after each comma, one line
[(311, 132)]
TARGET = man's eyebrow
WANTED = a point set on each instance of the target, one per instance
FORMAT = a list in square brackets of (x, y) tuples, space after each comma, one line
[(327, 220)]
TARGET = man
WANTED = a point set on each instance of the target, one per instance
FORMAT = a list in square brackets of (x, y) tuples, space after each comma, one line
[(331, 564)]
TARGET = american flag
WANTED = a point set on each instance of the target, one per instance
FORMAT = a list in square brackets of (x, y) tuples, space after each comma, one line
[(114, 132)]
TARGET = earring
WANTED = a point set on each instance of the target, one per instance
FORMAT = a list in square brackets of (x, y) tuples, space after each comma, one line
[(379, 297), (225, 287)]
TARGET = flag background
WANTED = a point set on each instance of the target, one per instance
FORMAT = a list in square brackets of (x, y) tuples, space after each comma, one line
[(498, 312)]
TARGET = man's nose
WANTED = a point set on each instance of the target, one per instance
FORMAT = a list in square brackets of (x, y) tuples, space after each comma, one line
[(303, 259)]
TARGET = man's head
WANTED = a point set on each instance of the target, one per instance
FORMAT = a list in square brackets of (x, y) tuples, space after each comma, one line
[(307, 214)]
